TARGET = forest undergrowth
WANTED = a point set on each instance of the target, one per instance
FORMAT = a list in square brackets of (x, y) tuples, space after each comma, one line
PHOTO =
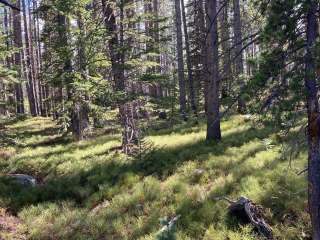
[(90, 190)]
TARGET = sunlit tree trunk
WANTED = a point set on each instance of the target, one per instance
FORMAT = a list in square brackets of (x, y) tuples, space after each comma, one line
[(32, 30), (31, 90), (17, 35), (44, 104), (181, 78)]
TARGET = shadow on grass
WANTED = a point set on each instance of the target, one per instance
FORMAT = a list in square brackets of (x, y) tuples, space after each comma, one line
[(204, 214), (160, 163), (13, 120)]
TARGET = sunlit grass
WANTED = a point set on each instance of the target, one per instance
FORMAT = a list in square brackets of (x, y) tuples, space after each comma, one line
[(89, 190)]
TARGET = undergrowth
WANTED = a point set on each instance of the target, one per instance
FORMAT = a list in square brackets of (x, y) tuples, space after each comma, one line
[(90, 190)]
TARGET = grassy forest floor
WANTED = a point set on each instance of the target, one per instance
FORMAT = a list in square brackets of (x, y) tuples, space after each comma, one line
[(90, 190)]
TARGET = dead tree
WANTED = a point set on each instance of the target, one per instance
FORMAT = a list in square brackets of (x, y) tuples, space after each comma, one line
[(130, 114)]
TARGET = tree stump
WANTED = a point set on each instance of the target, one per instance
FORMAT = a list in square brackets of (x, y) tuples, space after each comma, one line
[(248, 212)]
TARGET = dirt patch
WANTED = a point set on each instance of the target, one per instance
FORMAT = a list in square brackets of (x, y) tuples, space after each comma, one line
[(10, 227), (6, 154)]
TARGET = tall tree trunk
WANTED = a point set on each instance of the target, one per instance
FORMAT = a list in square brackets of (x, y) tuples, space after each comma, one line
[(75, 108), (213, 111), (114, 46), (148, 11), (156, 35), (35, 73), (189, 65), (29, 66), (120, 85), (226, 78), (313, 119), (182, 88), (237, 24), (42, 101), (7, 60), (200, 50), (17, 35), (82, 116)]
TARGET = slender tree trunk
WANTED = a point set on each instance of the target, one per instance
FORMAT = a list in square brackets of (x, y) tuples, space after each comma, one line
[(35, 73), (148, 23), (7, 33), (201, 54), (129, 14), (148, 11), (17, 34), (75, 109), (205, 58), (213, 114), (182, 88), (313, 119), (82, 116), (29, 67), (7, 60), (226, 78), (157, 35), (120, 84), (43, 101), (239, 70), (189, 64)]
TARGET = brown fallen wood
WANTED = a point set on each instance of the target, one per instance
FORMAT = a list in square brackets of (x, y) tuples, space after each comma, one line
[(248, 212)]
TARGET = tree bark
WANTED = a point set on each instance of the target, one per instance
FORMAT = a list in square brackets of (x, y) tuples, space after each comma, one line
[(313, 119), (181, 78), (213, 111)]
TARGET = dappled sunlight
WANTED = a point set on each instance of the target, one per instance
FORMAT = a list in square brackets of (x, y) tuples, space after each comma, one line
[(89, 190)]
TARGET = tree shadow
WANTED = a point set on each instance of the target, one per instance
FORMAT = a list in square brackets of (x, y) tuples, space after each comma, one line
[(160, 163), (195, 213)]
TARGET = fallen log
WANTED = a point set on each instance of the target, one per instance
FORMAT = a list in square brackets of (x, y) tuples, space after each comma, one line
[(249, 213)]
